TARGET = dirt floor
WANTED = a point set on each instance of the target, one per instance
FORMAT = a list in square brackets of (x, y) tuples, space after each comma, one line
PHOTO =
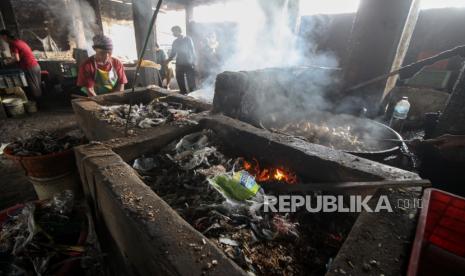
[(14, 186)]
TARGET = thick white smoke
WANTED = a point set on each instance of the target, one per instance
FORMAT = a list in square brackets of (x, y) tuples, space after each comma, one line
[(268, 36), (77, 16)]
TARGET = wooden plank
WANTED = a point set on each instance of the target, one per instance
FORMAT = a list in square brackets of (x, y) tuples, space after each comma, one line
[(344, 186)]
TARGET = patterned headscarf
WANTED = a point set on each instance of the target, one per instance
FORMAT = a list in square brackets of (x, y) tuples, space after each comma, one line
[(103, 42)]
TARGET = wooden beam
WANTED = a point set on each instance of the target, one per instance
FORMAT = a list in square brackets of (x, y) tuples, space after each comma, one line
[(189, 18), (377, 32), (142, 14), (403, 46)]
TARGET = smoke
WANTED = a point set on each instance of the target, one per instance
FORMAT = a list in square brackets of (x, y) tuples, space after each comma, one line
[(85, 22), (267, 38), (76, 16)]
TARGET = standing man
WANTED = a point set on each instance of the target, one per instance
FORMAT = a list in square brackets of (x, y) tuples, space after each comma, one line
[(22, 55), (101, 73), (184, 52)]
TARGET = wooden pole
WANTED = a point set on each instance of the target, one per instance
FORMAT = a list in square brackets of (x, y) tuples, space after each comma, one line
[(378, 30)]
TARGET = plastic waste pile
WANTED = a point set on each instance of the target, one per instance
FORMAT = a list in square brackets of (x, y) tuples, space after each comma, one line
[(43, 143), (146, 116), (220, 199), (40, 237)]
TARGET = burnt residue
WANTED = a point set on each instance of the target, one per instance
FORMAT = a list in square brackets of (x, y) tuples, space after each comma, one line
[(298, 243)]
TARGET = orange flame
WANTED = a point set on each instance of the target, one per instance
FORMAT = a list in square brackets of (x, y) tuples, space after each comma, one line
[(269, 173), (279, 175)]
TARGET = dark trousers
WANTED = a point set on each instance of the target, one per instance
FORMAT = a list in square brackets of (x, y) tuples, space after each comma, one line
[(34, 83), (185, 73)]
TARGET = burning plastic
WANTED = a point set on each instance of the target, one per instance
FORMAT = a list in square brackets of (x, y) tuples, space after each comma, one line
[(269, 173), (261, 243)]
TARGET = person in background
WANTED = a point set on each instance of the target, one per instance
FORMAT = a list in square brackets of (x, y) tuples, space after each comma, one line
[(210, 60), (101, 73), (184, 52), (22, 55), (160, 58)]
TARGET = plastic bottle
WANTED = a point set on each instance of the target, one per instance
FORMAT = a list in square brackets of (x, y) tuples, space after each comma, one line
[(363, 112), (400, 114)]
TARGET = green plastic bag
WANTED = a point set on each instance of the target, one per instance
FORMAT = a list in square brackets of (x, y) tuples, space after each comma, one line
[(240, 187)]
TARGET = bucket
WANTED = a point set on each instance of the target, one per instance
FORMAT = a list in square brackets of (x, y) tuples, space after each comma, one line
[(14, 106), (47, 187), (30, 106), (44, 166)]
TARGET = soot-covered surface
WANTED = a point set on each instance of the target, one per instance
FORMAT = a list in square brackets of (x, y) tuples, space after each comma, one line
[(298, 243)]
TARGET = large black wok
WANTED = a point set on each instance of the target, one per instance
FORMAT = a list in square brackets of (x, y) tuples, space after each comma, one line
[(374, 136)]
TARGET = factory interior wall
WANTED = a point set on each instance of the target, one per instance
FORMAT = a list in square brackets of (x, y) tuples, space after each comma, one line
[(436, 30), (34, 16)]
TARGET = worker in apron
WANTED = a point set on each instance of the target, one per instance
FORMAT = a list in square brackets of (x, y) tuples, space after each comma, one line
[(101, 73), (105, 82)]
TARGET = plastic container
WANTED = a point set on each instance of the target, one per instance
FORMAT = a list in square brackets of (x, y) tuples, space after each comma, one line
[(14, 106), (400, 114), (43, 166), (401, 109), (439, 246), (47, 187)]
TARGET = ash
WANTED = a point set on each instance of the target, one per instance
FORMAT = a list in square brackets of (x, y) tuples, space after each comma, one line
[(43, 143), (261, 243), (146, 116)]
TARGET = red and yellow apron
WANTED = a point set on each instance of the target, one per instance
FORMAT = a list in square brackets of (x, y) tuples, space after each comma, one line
[(105, 81)]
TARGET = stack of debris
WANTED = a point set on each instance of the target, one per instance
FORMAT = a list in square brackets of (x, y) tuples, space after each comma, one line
[(261, 243), (43, 143), (46, 238), (146, 116)]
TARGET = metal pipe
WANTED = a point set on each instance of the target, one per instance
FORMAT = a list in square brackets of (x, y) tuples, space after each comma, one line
[(413, 68)]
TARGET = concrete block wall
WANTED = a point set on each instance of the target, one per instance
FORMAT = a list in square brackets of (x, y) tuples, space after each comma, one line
[(142, 235), (97, 129)]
